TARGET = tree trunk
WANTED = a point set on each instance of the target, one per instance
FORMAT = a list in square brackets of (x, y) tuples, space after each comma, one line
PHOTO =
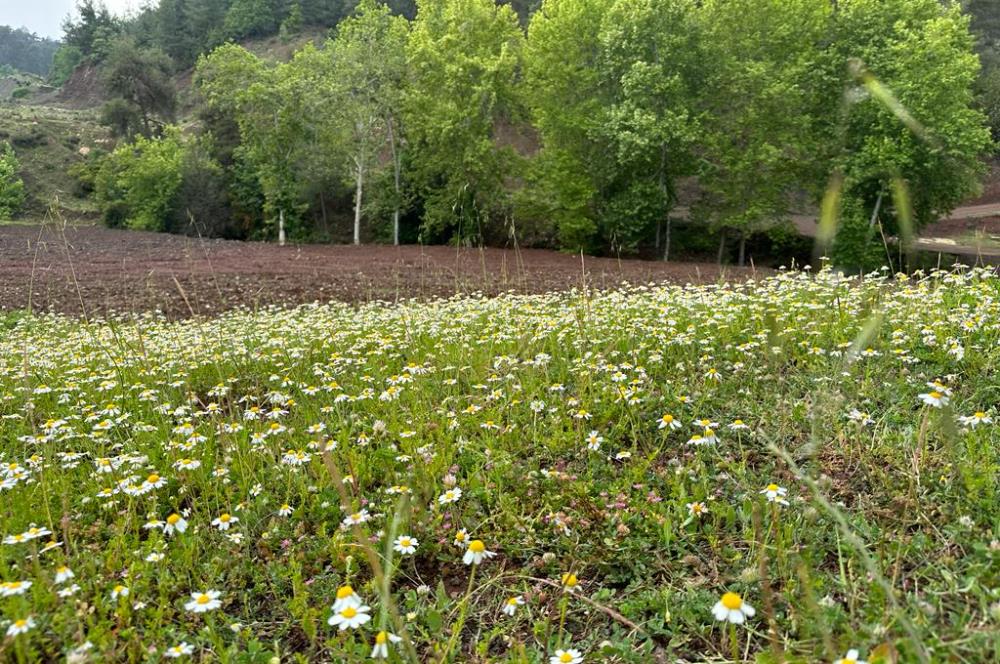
[(743, 248), (666, 241), (357, 203), (722, 246), (281, 228), (396, 168)]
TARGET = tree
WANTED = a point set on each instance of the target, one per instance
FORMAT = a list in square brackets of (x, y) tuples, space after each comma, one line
[(369, 68), (25, 51), (463, 57), (764, 54), (94, 28), (63, 63), (252, 18), (908, 67), (11, 185), (651, 56), (568, 97), (136, 183), (140, 80)]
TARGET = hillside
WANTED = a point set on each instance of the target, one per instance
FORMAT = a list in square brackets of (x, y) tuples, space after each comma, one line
[(48, 142)]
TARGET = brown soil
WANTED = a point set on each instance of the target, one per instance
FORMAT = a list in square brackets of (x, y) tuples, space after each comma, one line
[(95, 270)]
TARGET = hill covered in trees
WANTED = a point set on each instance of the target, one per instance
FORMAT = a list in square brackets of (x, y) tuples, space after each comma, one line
[(26, 52)]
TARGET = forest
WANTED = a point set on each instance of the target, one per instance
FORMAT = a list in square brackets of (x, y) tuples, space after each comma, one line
[(585, 125)]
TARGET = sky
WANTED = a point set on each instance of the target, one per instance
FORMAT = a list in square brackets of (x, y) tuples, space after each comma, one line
[(45, 17)]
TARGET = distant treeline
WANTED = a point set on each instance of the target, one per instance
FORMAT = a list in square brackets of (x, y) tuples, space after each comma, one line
[(580, 128), (25, 51)]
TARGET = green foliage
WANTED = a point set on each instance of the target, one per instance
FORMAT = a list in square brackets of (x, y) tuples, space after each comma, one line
[(93, 30), (64, 62), (11, 185), (26, 52), (756, 152), (137, 183), (143, 94), (251, 18), (463, 59), (293, 23), (928, 132), (859, 244)]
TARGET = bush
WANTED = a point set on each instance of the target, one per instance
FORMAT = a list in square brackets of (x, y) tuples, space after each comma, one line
[(11, 185), (137, 183)]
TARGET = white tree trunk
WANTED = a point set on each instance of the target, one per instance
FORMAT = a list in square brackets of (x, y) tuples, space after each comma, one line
[(357, 204), (281, 228)]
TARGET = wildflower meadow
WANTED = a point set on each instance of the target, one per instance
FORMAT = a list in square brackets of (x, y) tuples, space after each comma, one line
[(801, 468)]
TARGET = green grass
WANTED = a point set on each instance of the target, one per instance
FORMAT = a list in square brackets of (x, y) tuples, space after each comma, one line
[(889, 543)]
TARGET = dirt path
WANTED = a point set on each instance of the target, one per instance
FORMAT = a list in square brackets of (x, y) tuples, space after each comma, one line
[(95, 270)]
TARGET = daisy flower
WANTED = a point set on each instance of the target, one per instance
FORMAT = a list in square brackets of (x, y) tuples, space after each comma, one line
[(180, 650), (63, 573), (568, 656), (569, 581), (346, 597), (202, 602), (974, 420), (20, 626), (176, 523), (850, 658), (119, 591), (350, 617), (775, 494), (461, 537), (450, 496), (382, 641), (356, 519), (12, 588), (697, 508), (510, 606), (405, 544), (285, 510), (669, 421), (224, 520), (733, 609), (476, 553), (935, 399)]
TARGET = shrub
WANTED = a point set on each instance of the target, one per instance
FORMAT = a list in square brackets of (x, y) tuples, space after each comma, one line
[(137, 183), (11, 185)]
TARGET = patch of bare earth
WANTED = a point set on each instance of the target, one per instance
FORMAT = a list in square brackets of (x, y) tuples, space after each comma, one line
[(94, 270)]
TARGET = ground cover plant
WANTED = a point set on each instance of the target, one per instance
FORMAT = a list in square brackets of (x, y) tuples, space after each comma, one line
[(801, 469)]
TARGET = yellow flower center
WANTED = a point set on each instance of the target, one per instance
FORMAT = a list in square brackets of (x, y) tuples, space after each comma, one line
[(732, 601), (203, 599), (980, 414), (404, 542), (173, 519), (381, 638), (20, 624), (772, 487), (344, 592), (935, 395), (153, 479), (512, 601), (569, 579), (566, 657), (349, 612), (477, 546), (224, 518), (460, 537), (738, 422), (668, 418)]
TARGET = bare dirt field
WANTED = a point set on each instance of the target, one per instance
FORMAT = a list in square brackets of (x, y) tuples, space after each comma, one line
[(93, 270)]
